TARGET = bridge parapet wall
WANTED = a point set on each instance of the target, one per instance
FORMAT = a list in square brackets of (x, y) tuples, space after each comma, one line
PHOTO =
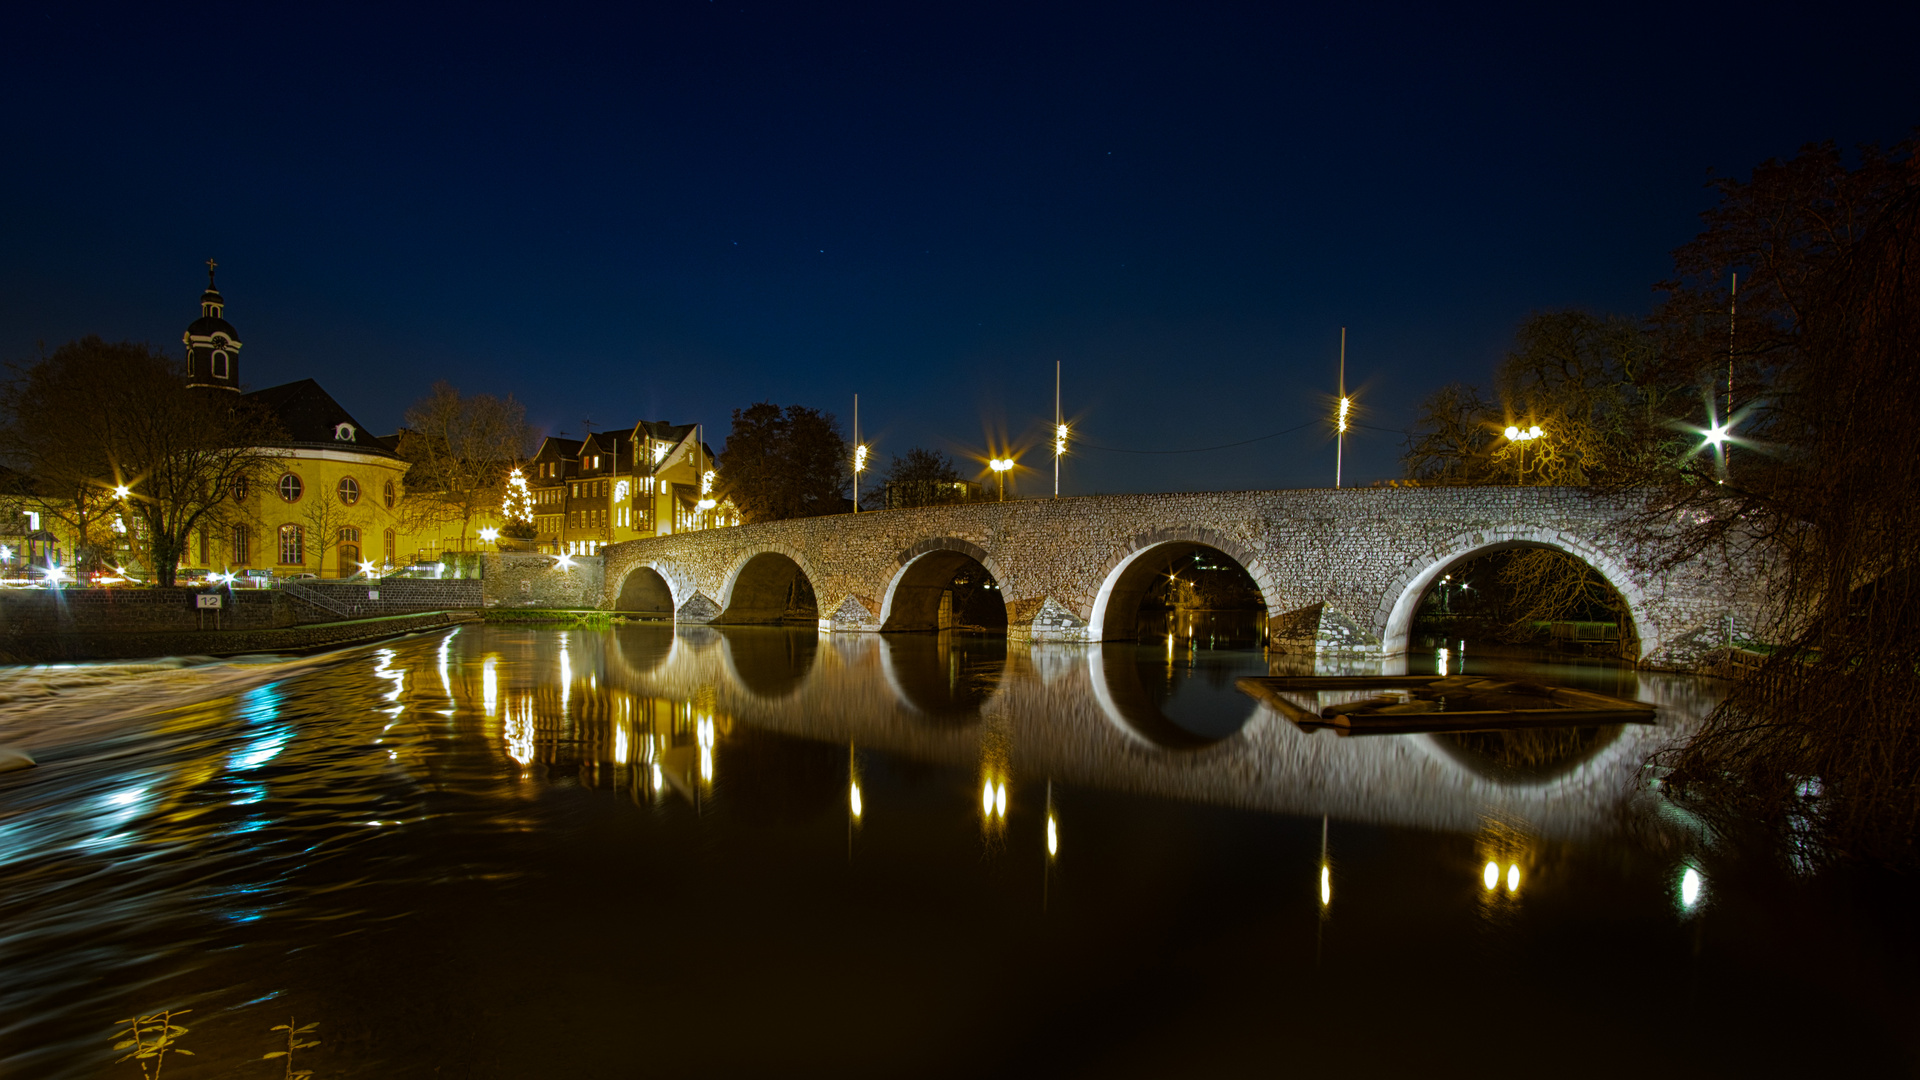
[(1349, 564)]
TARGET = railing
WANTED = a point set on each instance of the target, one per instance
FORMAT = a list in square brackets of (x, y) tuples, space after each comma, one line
[(316, 598)]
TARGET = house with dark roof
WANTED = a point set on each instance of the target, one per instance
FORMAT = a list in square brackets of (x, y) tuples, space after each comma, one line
[(624, 485)]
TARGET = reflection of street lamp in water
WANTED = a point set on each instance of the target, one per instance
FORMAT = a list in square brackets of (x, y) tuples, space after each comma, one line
[(1521, 438)]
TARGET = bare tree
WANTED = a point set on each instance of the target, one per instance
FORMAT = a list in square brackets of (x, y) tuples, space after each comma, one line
[(96, 417), (1820, 746), (460, 450)]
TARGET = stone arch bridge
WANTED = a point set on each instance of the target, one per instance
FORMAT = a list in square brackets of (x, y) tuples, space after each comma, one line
[(1338, 569)]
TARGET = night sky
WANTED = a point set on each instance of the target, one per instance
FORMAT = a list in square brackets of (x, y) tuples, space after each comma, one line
[(677, 210)]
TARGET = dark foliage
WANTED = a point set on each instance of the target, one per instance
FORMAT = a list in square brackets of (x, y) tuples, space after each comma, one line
[(96, 414), (1821, 744), (923, 478), (785, 463), (1594, 386)]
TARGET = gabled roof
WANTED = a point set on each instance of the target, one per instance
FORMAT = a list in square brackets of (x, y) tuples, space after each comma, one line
[(314, 421), (554, 446), (662, 431)]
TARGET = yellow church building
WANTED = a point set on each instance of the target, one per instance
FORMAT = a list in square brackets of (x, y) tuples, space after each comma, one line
[(331, 504)]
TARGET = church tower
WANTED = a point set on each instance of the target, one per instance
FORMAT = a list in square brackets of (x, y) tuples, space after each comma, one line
[(213, 348)]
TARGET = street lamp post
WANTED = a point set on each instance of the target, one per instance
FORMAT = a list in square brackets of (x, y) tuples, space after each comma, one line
[(859, 454), (1059, 431), (1000, 467), (1521, 438), (1346, 406)]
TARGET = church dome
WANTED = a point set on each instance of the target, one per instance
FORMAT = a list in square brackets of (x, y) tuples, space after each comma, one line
[(209, 325)]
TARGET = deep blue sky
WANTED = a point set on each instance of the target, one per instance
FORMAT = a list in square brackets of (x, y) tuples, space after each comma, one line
[(679, 209)]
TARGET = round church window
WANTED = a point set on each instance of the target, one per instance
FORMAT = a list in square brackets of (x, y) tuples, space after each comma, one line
[(349, 490), (290, 487)]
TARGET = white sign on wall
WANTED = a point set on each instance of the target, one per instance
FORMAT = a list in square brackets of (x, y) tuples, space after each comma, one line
[(204, 601)]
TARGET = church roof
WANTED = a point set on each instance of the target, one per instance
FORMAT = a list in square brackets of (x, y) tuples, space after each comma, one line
[(314, 421)]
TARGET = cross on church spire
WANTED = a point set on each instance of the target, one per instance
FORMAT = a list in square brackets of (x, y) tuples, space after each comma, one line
[(210, 265)]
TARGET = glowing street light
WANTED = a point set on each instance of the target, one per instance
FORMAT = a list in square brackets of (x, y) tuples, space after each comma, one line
[(489, 535), (121, 491), (1521, 437), (563, 562), (1000, 466)]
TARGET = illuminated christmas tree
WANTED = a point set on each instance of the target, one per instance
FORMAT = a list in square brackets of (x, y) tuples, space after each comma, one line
[(517, 508)]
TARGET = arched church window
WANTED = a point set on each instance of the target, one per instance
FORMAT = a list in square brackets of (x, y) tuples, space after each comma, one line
[(389, 496), (349, 489), (219, 365), (290, 487)]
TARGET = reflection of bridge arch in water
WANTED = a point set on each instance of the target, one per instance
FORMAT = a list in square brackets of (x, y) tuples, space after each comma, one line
[(768, 583), (768, 662), (636, 652), (1401, 602), (926, 571), (1116, 607), (1529, 756), (1114, 676), (1069, 720), (947, 676)]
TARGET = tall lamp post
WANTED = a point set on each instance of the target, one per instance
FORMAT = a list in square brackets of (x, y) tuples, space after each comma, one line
[(1340, 421), (1000, 467), (859, 454), (1059, 431)]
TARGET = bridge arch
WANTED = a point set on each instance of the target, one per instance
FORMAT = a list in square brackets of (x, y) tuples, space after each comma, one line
[(767, 582), (913, 601), (645, 591), (1393, 623), (1124, 582)]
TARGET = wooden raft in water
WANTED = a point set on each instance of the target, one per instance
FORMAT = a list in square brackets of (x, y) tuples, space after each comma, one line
[(1440, 703)]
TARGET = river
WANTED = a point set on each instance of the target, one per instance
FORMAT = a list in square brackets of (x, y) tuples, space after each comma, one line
[(506, 851)]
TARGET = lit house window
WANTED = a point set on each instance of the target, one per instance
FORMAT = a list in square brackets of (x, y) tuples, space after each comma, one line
[(242, 545), (290, 488), (293, 549), (349, 490), (389, 495)]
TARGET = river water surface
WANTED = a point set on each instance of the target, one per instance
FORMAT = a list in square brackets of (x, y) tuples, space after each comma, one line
[(520, 852)]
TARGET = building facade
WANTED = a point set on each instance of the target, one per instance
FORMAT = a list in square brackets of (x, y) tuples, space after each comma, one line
[(612, 486)]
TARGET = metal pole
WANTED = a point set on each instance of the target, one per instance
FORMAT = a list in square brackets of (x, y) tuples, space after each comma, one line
[(1340, 437), (1726, 422), (856, 453)]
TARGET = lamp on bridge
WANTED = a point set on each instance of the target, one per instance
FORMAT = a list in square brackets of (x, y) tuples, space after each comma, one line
[(1520, 437), (1000, 467)]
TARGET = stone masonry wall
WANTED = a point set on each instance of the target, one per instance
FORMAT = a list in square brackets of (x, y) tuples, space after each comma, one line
[(517, 580), (1363, 556), (25, 613)]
